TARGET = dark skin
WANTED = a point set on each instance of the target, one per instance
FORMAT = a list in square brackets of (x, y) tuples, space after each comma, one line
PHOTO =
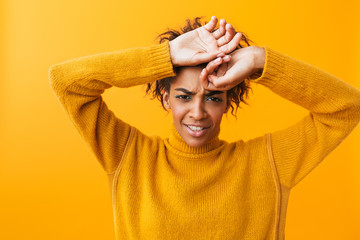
[(225, 67), (197, 97)]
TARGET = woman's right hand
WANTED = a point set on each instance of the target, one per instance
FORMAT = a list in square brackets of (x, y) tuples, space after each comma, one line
[(204, 44)]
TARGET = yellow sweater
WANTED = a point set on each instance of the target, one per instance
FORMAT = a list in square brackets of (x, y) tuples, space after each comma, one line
[(165, 189)]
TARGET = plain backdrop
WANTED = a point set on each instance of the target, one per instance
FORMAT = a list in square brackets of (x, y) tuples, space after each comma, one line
[(52, 187)]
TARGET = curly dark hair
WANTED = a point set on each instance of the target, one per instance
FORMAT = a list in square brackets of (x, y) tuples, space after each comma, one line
[(236, 94)]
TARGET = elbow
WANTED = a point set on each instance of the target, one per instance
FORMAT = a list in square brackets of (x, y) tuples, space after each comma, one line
[(351, 106), (56, 79), (354, 112), (52, 75), (356, 105), (347, 115)]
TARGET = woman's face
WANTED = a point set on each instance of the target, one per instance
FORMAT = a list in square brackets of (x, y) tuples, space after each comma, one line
[(196, 112)]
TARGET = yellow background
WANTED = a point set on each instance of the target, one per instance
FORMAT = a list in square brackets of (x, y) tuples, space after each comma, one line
[(51, 186)]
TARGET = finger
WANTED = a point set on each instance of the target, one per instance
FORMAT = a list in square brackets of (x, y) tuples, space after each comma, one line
[(204, 78), (231, 46), (210, 26), (211, 66), (208, 80), (222, 69), (204, 81), (211, 87), (220, 83), (226, 58), (229, 35), (221, 54), (219, 64), (209, 83), (206, 57), (221, 30)]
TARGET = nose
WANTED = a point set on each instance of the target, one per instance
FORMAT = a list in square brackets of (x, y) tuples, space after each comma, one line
[(198, 111)]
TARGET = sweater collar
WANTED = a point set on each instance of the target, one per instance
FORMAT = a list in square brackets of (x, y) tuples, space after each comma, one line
[(176, 141)]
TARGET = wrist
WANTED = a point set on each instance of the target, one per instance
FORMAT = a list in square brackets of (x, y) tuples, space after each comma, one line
[(172, 51), (259, 58)]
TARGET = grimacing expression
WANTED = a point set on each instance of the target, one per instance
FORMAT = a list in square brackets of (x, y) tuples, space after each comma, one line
[(196, 112)]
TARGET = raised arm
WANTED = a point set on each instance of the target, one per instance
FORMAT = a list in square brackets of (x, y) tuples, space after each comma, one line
[(333, 104), (79, 83)]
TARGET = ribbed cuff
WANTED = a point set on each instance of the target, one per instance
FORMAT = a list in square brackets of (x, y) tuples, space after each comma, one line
[(273, 68), (162, 66)]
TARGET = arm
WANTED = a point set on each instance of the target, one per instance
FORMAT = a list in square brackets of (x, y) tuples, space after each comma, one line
[(79, 83), (334, 109), (334, 112)]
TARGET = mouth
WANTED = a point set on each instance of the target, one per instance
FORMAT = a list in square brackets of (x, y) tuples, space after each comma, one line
[(196, 131)]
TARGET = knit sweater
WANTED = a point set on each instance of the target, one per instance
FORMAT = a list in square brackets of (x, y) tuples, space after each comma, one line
[(165, 189)]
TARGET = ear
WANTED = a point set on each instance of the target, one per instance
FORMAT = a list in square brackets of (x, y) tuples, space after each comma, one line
[(166, 99)]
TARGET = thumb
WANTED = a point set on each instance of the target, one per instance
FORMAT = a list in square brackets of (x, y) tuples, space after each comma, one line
[(221, 83), (204, 78)]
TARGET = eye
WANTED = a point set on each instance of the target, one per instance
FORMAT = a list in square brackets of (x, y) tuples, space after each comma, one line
[(214, 99), (183, 97)]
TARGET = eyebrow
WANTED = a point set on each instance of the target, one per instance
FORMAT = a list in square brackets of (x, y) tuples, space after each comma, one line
[(184, 91), (213, 93), (210, 93)]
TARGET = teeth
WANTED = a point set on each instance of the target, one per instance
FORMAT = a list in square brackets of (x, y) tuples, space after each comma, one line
[(196, 128)]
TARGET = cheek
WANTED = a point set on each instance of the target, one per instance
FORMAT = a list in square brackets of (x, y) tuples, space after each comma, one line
[(216, 114), (178, 112)]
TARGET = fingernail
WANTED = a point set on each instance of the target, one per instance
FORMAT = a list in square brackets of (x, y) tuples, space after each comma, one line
[(227, 57), (221, 54), (218, 60)]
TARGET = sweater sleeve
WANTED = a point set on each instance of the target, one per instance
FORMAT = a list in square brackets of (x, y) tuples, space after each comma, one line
[(79, 83), (334, 112)]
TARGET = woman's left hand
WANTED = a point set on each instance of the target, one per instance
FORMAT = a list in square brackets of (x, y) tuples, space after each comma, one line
[(226, 72)]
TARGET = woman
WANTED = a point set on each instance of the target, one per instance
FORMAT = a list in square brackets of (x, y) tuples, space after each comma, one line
[(192, 185)]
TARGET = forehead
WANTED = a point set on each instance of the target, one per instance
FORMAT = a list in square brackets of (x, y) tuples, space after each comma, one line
[(189, 78)]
